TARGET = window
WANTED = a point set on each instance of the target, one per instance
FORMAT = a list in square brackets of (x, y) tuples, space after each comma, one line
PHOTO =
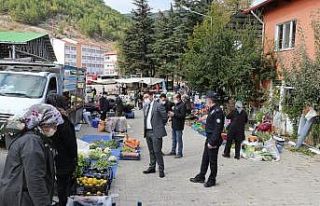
[(286, 35), (52, 89)]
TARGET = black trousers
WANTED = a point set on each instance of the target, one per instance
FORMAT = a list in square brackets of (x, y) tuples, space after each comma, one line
[(65, 183), (103, 115), (209, 157), (155, 153), (237, 142)]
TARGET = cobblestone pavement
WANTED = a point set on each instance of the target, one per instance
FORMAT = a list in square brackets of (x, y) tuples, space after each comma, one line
[(293, 181)]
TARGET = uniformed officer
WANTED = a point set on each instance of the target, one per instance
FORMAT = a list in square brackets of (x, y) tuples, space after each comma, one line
[(214, 128)]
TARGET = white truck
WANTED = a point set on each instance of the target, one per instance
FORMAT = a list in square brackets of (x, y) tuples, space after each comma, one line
[(23, 84)]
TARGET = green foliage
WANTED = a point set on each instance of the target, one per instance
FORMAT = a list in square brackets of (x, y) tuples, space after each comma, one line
[(220, 57), (137, 44), (92, 17)]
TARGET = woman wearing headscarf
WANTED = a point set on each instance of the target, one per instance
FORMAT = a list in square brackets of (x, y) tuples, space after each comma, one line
[(28, 175), (236, 129), (65, 142)]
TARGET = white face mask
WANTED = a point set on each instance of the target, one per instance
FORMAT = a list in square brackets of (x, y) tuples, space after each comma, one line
[(163, 102), (50, 133), (175, 101)]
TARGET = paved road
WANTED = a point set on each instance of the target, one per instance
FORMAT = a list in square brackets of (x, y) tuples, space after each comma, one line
[(294, 181)]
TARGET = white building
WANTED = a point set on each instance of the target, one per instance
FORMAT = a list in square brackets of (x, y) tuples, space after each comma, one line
[(92, 58), (65, 51), (110, 64)]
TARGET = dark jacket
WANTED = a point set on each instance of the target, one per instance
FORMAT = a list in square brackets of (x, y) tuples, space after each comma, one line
[(28, 176), (179, 116), (65, 142), (119, 107), (159, 119), (214, 126), (168, 105), (104, 104), (236, 129)]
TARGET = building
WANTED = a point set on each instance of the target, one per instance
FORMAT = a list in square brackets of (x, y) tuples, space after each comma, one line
[(26, 44), (92, 58), (67, 51), (287, 27), (110, 64), (80, 54)]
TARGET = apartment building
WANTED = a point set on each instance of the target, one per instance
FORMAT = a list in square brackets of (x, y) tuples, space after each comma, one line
[(110, 64), (66, 51), (92, 58)]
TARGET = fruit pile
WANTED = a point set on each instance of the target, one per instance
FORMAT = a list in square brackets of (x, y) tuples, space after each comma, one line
[(92, 186)]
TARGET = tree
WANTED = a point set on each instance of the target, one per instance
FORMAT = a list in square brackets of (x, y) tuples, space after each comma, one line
[(220, 57), (137, 43)]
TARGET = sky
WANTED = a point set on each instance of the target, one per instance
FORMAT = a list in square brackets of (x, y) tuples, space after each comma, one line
[(125, 6)]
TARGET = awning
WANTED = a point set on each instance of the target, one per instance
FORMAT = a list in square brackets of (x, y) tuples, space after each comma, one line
[(104, 82), (144, 80)]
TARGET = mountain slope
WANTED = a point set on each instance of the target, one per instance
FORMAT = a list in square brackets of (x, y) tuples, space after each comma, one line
[(91, 17)]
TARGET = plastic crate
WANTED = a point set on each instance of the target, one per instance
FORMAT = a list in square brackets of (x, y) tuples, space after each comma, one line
[(95, 123), (94, 138), (116, 153), (129, 115), (114, 170)]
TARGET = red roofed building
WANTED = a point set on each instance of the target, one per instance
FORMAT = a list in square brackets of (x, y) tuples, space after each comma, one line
[(287, 27)]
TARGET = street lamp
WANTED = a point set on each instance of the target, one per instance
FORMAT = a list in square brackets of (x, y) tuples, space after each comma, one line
[(188, 9)]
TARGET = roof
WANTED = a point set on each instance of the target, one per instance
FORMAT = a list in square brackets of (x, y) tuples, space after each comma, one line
[(258, 6), (19, 37), (70, 41)]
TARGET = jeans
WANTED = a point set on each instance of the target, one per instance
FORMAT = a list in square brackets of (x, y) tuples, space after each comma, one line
[(304, 129), (177, 140)]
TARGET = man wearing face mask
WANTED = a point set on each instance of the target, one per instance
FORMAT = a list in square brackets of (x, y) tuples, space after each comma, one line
[(236, 130), (155, 119), (214, 128), (28, 175), (166, 103), (178, 116)]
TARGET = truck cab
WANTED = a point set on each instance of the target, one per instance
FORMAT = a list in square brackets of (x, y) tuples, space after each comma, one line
[(26, 84)]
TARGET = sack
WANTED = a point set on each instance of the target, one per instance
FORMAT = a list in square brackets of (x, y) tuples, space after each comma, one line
[(110, 125), (101, 126), (121, 124)]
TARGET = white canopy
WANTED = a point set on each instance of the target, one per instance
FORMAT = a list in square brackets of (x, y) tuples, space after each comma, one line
[(145, 80)]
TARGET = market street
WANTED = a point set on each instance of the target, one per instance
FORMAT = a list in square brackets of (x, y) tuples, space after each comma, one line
[(294, 180)]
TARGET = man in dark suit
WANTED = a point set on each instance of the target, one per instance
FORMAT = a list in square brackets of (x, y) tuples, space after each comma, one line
[(214, 128), (178, 116), (155, 118)]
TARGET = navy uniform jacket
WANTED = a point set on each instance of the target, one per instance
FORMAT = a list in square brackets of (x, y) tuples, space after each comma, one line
[(214, 126)]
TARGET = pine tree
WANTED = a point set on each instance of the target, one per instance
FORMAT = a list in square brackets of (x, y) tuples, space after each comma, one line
[(137, 44)]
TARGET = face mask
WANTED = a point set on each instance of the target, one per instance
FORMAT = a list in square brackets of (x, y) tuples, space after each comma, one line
[(239, 109), (175, 101), (50, 133), (163, 102)]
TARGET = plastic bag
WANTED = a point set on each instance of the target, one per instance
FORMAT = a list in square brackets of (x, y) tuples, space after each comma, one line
[(89, 201), (121, 124), (110, 125), (271, 147)]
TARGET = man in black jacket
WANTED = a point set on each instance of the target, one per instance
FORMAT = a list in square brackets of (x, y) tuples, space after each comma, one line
[(236, 131), (178, 116), (104, 106), (166, 103), (214, 128), (65, 142)]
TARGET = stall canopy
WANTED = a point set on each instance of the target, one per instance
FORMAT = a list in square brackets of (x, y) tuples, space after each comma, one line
[(144, 80)]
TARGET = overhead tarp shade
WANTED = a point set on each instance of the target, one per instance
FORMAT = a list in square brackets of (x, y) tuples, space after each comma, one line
[(104, 82), (144, 80)]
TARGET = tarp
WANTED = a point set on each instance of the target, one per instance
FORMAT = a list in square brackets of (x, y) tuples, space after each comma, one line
[(145, 80), (104, 82)]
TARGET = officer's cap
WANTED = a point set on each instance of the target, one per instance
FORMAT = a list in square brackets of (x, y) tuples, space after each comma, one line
[(213, 96)]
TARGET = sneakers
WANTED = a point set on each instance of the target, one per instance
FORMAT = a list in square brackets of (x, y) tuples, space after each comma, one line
[(178, 156), (197, 179)]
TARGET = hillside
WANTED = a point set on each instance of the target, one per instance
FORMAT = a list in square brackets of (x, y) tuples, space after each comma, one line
[(91, 18)]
